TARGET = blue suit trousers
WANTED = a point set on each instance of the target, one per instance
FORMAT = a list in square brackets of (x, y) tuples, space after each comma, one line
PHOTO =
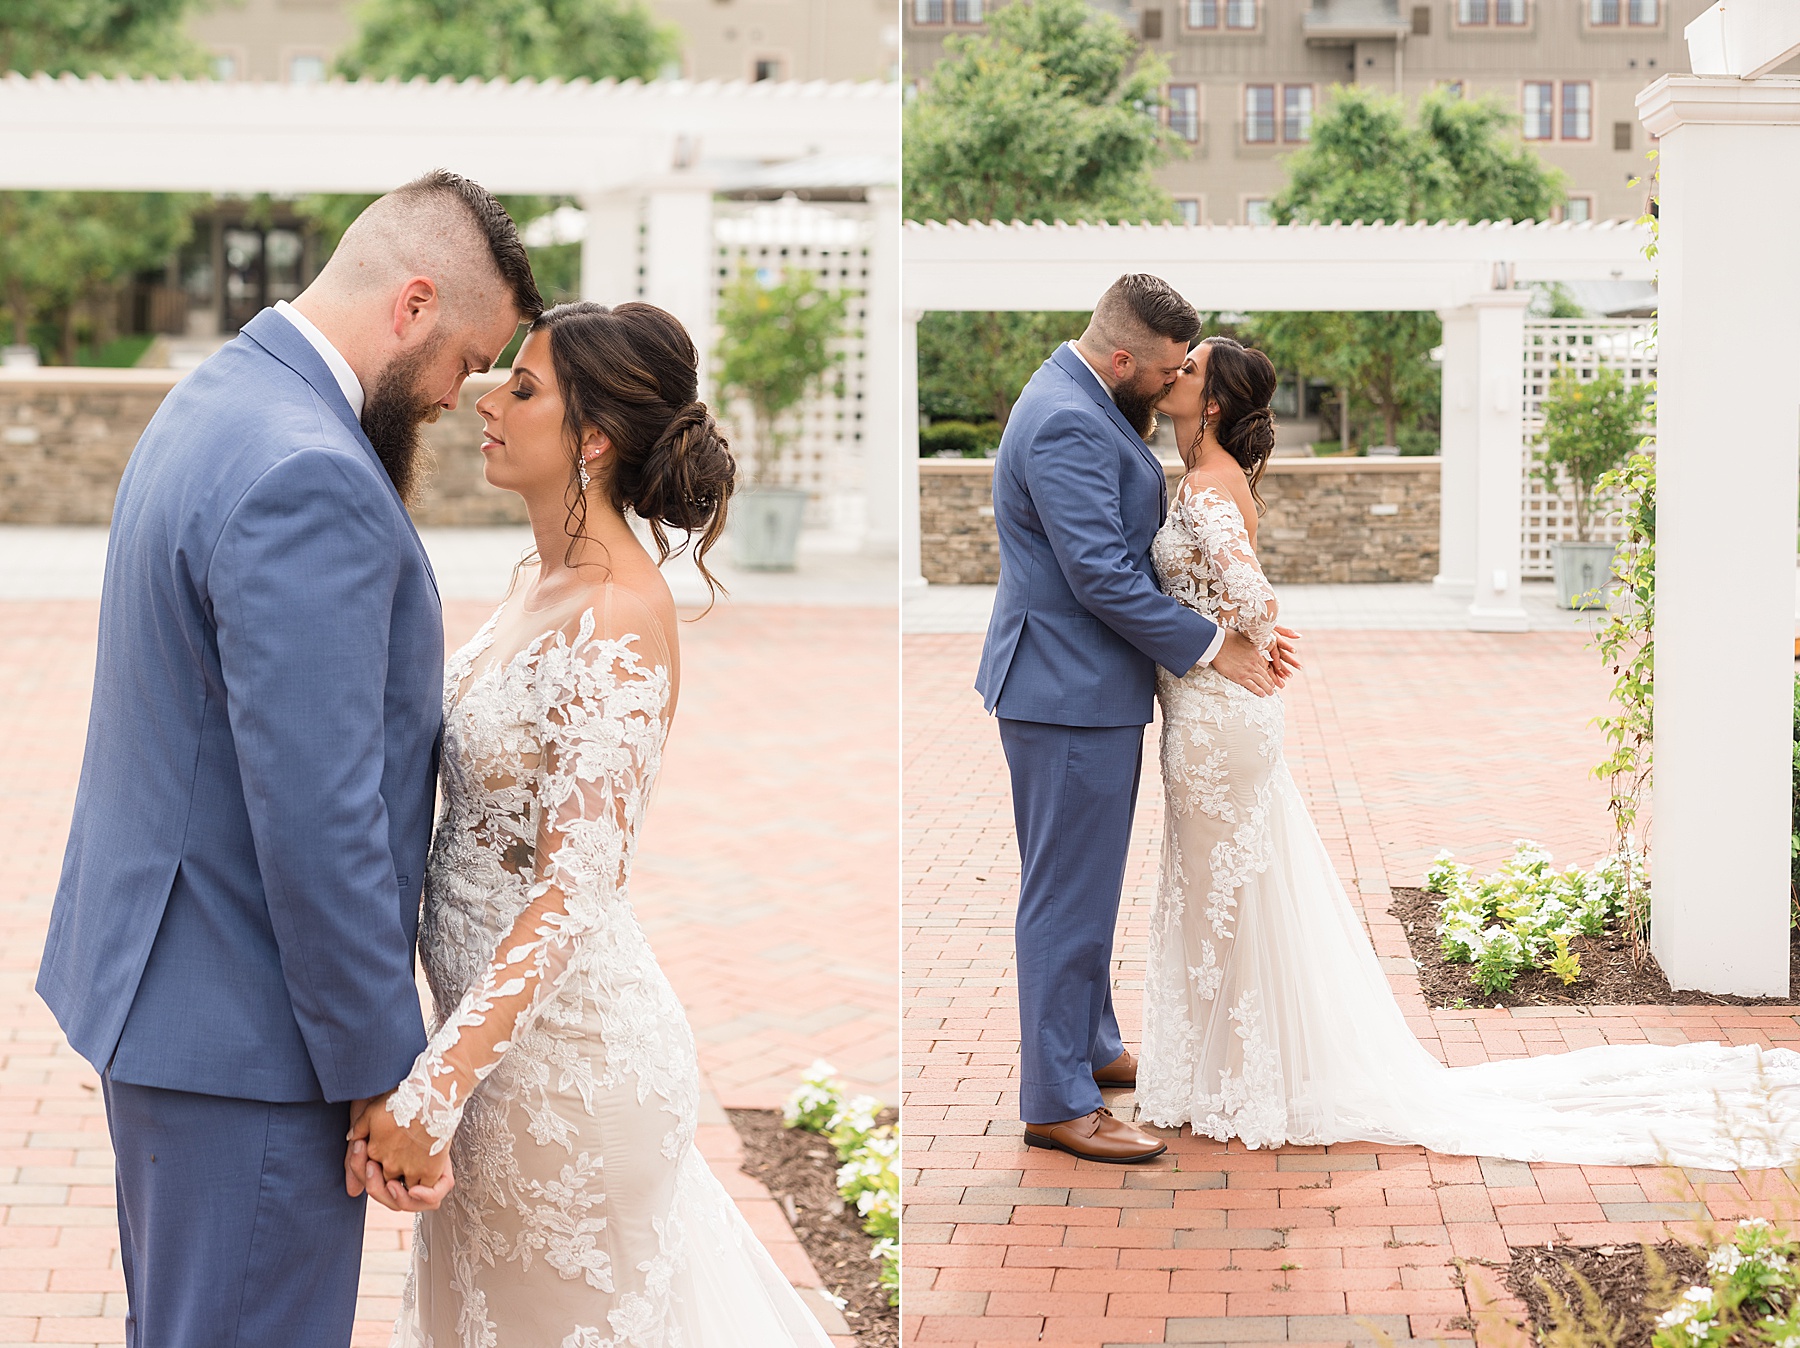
[(235, 1228), (1074, 794)]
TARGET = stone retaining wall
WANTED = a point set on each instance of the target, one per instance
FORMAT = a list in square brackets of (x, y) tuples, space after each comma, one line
[(65, 435), (1329, 520)]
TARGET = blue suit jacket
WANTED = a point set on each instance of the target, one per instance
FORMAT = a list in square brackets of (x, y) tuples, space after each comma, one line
[(239, 899), (1079, 624)]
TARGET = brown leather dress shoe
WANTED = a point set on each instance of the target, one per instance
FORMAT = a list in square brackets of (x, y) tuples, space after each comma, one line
[(1096, 1137), (1121, 1071)]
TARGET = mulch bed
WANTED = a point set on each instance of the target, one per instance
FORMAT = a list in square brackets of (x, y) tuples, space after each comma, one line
[(1619, 1278), (1607, 976), (800, 1169)]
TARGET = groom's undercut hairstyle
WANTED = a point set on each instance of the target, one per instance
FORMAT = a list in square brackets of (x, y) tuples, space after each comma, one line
[(446, 227), (1139, 305)]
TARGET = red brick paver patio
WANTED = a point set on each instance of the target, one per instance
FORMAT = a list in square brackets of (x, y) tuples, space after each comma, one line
[(765, 881), (1403, 743)]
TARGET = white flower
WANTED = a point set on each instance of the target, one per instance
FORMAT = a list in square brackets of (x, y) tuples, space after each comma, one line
[(1726, 1260)]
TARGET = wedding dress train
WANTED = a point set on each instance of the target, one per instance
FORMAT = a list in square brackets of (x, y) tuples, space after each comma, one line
[(561, 1066), (1266, 1014)]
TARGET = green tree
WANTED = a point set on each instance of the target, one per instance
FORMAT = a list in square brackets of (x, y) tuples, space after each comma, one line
[(64, 255), (508, 39), (775, 348), (1049, 115), (1591, 426), (1457, 159)]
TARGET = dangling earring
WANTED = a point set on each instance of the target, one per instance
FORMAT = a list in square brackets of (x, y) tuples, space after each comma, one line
[(581, 474)]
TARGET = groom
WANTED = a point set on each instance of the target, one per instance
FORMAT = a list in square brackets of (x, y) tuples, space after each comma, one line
[(231, 945), (1069, 668)]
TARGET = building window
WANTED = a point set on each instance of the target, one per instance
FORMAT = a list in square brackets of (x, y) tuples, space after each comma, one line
[(928, 11), (1187, 210), (1421, 20), (1202, 13), (1603, 13), (1240, 13), (224, 66), (1539, 111), (1150, 25), (1499, 13), (1259, 113), (307, 68), (1471, 11), (1256, 211), (1454, 88), (1611, 13), (766, 68), (1509, 13), (1184, 111), (1577, 110), (967, 11), (1644, 12), (1578, 210), (1621, 135), (1296, 112)]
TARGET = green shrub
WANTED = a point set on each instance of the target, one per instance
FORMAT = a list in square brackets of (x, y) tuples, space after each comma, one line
[(1749, 1297), (1525, 914), (971, 439), (869, 1176)]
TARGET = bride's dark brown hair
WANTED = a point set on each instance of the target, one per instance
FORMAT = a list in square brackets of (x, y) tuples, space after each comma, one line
[(1241, 380), (631, 372)]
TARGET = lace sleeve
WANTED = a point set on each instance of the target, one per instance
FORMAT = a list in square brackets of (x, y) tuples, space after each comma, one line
[(602, 701), (1246, 599)]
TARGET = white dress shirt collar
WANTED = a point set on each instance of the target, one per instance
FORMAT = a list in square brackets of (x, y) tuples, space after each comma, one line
[(334, 361), (1090, 369)]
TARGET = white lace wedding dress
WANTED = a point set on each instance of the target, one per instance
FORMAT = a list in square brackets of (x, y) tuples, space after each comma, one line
[(1266, 1015), (561, 1066)]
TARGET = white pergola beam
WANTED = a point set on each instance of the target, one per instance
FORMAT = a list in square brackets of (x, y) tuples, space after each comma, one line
[(577, 138), (1237, 267), (1744, 39)]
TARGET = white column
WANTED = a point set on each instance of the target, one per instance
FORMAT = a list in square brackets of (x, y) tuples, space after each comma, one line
[(912, 569), (1458, 423), (1728, 452), (609, 249), (1499, 460), (680, 256), (881, 399)]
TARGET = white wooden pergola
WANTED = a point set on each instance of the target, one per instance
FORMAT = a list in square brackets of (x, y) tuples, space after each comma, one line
[(1465, 272), (639, 157)]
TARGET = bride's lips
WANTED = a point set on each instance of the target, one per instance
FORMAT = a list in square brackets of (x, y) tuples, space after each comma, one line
[(490, 441)]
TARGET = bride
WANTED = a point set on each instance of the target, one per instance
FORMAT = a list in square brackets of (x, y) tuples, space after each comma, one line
[(1266, 1015), (561, 1074)]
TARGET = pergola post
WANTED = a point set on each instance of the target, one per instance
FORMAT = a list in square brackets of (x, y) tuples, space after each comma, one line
[(1460, 432), (912, 560), (681, 256), (1728, 459), (882, 400), (609, 249), (1498, 423)]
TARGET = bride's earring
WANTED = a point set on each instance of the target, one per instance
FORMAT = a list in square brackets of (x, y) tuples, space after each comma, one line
[(581, 474)]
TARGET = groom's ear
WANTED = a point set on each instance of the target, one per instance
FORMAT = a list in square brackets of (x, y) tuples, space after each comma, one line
[(416, 303)]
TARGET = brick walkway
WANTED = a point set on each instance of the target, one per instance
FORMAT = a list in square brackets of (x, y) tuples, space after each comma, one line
[(1403, 743), (764, 881)]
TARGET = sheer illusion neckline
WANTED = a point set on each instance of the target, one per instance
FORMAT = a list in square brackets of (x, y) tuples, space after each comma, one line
[(597, 604)]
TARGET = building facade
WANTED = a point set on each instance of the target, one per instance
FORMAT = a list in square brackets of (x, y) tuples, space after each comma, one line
[(1247, 77)]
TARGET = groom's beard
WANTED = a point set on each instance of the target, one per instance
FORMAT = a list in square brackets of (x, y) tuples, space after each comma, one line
[(1139, 406), (392, 415)]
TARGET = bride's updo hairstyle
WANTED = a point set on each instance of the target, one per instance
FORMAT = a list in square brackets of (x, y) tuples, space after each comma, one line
[(1241, 380), (631, 373)]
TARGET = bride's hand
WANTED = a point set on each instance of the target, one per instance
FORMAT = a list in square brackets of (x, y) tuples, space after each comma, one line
[(394, 1164), (1281, 654)]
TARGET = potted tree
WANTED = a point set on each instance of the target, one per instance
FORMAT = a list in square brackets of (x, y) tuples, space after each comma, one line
[(1590, 427), (775, 350)]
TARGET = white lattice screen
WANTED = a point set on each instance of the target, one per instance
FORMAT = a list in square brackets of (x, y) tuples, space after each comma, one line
[(1586, 345), (831, 240)]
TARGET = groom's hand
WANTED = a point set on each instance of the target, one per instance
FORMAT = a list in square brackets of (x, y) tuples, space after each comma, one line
[(1240, 661)]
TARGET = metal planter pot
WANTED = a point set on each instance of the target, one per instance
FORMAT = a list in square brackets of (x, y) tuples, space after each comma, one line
[(1583, 573), (765, 527)]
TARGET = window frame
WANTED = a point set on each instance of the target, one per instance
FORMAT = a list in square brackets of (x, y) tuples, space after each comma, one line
[(1198, 109), (1549, 110), (1274, 136), (1198, 202), (942, 20), (1562, 112), (1563, 210), (1256, 17), (1215, 26), (1490, 22), (1244, 202), (1312, 108), (977, 22)]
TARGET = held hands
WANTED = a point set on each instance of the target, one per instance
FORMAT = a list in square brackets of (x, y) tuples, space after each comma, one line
[(1240, 661), (393, 1164)]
